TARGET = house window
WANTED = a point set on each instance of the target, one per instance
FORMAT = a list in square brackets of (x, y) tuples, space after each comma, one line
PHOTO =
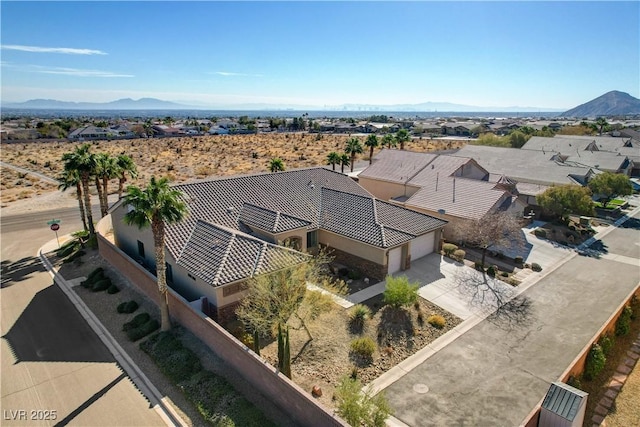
[(140, 249), (169, 272), (312, 239), (233, 289)]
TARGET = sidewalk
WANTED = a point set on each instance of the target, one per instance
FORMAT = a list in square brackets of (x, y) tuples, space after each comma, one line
[(157, 401)]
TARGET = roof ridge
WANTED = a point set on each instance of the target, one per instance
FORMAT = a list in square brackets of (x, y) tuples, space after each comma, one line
[(224, 259), (380, 225), (277, 221), (259, 258)]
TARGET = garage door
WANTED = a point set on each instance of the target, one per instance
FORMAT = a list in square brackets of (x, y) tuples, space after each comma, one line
[(422, 245), (395, 260)]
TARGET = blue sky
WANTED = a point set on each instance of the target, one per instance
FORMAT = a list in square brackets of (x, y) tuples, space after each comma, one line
[(537, 54)]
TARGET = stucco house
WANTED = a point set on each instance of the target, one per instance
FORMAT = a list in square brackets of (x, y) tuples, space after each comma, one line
[(236, 227), (448, 187)]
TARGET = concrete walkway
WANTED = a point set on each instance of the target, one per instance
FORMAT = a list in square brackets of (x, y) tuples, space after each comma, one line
[(166, 413), (494, 371)]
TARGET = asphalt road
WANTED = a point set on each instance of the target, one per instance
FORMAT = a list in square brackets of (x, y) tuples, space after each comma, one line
[(495, 373), (55, 370)]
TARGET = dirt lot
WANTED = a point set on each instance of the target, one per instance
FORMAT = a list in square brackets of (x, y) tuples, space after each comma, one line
[(186, 158)]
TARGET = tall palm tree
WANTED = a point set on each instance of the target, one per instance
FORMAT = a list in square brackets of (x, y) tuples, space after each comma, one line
[(106, 169), (276, 165), (344, 161), (353, 147), (372, 143), (70, 178), (158, 204), (389, 141), (333, 159), (402, 137), (126, 166), (83, 161)]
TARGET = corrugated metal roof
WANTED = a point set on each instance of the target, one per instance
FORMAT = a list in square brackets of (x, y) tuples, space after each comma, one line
[(563, 400)]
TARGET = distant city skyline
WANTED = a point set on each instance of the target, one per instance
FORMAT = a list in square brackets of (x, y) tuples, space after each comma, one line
[(553, 55)]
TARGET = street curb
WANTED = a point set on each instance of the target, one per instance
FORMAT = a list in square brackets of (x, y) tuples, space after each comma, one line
[(146, 387)]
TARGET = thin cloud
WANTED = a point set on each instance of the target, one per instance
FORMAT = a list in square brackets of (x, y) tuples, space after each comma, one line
[(77, 72), (64, 50), (231, 74)]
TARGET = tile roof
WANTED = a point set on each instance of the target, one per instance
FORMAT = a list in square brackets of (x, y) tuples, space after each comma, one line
[(461, 197), (270, 220), (215, 243), (532, 166), (219, 256), (397, 165), (372, 221)]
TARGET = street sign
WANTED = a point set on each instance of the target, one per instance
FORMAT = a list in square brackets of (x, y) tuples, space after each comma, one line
[(54, 224), (53, 221), (55, 227)]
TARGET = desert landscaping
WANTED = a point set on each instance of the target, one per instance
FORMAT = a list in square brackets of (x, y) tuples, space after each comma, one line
[(184, 158)]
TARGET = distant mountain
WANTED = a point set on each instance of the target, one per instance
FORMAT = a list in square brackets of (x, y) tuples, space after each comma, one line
[(612, 103), (157, 104), (120, 104)]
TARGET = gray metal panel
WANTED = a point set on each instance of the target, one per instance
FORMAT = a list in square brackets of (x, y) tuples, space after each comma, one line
[(563, 400)]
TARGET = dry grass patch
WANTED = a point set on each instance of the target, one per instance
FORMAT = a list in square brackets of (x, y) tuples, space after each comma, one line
[(186, 158)]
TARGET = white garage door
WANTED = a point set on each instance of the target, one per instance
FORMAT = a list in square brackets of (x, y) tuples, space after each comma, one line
[(422, 245), (395, 260)]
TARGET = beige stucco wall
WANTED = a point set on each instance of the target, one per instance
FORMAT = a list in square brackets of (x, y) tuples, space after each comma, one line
[(360, 249), (126, 237), (385, 190)]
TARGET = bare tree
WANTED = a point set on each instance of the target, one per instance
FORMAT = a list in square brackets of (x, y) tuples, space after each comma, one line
[(493, 229)]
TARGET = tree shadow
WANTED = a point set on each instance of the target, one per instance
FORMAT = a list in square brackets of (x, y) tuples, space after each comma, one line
[(18, 271), (395, 324), (633, 223), (50, 329), (594, 250)]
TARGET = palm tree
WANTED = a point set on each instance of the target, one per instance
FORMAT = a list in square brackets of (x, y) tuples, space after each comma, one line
[(126, 166), (372, 143), (70, 178), (155, 206), (344, 161), (276, 165), (106, 169), (389, 141), (402, 137), (83, 162), (353, 147), (333, 159)]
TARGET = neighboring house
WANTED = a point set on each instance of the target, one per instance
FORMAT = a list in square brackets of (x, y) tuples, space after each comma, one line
[(164, 130), (235, 225), (218, 130), (449, 187), (87, 133), (462, 129)]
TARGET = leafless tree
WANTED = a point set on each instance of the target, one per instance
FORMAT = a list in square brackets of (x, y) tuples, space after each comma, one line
[(493, 229)]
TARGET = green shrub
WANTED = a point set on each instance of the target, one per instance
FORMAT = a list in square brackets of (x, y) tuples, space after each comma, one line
[(354, 275), (536, 267), (491, 271), (74, 256), (436, 321), (518, 260), (136, 322), (144, 330), (358, 408), (101, 285), (399, 292), (68, 249), (595, 362), (540, 232), (113, 289), (359, 314), (459, 255), (504, 274), (363, 347), (127, 307), (88, 283), (575, 382), (97, 272), (180, 365), (213, 396), (623, 324), (449, 249), (606, 342)]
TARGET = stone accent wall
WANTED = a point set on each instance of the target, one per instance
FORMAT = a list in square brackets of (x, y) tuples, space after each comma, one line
[(367, 268)]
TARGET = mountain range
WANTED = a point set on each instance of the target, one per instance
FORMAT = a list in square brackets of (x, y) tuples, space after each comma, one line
[(614, 103), (158, 104), (611, 103)]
